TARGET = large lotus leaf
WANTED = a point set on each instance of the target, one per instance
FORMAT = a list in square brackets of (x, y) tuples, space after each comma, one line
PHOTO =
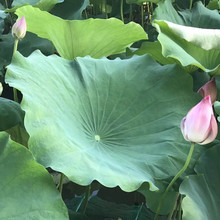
[(44, 5), (116, 121), (194, 45), (199, 16), (94, 37), (27, 190), (185, 52), (70, 9), (10, 114), (203, 191)]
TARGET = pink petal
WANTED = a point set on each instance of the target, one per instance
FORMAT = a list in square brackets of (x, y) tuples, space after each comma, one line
[(209, 89), (213, 131), (198, 121), (182, 126)]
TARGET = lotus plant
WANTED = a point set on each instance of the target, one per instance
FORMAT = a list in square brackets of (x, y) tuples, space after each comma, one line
[(198, 126), (19, 29)]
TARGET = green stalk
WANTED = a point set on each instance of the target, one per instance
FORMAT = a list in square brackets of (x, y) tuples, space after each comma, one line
[(173, 209), (60, 186), (6, 3), (190, 4), (86, 15), (106, 14), (180, 208), (142, 15), (122, 14), (130, 13), (87, 194), (174, 179), (15, 92)]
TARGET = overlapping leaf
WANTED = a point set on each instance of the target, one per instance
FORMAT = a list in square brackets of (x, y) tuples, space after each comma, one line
[(203, 191), (94, 37), (192, 37), (27, 190)]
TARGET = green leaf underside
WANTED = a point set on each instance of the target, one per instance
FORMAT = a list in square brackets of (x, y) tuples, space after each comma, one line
[(26, 185), (78, 38), (187, 40), (155, 50), (203, 191), (105, 120)]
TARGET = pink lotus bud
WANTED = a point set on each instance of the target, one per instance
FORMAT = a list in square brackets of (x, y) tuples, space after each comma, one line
[(199, 125), (209, 89), (19, 29)]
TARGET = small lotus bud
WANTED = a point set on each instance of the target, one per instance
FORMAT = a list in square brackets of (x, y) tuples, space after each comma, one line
[(209, 89), (19, 29), (199, 125)]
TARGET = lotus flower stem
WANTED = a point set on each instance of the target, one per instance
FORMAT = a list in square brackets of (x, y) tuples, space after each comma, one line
[(180, 208), (60, 186), (122, 14), (6, 3), (106, 14), (130, 13), (174, 179), (15, 93), (142, 15), (174, 207), (87, 194), (190, 4)]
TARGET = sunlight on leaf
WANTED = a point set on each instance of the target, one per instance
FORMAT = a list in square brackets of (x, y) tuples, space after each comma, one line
[(78, 38)]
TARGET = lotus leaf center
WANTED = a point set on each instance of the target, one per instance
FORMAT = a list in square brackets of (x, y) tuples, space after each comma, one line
[(97, 138)]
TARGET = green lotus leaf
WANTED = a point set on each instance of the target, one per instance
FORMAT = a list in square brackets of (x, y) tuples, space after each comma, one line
[(44, 5), (10, 114), (27, 190), (105, 119), (78, 38), (203, 191), (186, 40)]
